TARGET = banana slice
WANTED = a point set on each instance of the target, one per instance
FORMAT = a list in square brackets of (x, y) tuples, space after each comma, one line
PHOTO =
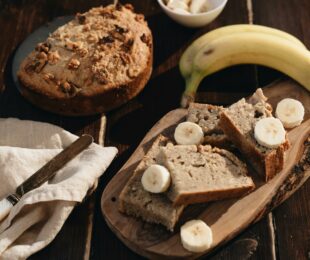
[(269, 132), (181, 11), (188, 133), (291, 112), (156, 179), (196, 236), (178, 4), (198, 6)]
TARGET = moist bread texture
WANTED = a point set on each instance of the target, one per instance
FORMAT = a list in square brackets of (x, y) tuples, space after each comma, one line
[(238, 123), (137, 202), (207, 117), (202, 174), (92, 64)]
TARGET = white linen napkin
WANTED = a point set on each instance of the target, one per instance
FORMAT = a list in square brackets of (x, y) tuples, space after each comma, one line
[(25, 146)]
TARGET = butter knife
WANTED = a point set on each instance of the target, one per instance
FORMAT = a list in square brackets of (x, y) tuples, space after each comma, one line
[(47, 172)]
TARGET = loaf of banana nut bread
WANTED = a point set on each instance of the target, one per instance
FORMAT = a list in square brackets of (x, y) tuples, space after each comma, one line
[(238, 123), (134, 200), (94, 63), (207, 117), (202, 174)]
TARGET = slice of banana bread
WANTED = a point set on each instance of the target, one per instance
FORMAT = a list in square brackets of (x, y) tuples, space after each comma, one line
[(238, 123), (202, 174), (207, 117), (137, 202)]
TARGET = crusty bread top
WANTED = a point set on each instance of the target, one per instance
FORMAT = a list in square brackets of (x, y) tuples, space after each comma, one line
[(101, 49), (202, 169)]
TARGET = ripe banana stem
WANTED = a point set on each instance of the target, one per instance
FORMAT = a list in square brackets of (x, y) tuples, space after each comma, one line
[(192, 84)]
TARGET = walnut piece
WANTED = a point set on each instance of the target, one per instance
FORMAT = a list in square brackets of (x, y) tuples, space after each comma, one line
[(35, 66), (72, 46), (106, 39), (92, 38), (43, 47), (48, 76), (86, 28), (127, 46), (139, 17), (53, 57), (82, 52), (69, 88), (81, 18), (73, 64)]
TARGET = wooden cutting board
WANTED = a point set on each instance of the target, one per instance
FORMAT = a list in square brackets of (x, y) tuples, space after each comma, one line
[(226, 218)]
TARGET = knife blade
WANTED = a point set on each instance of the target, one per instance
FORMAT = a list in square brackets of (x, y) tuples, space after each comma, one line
[(45, 173)]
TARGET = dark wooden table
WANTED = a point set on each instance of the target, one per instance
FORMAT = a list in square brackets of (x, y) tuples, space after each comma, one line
[(284, 234)]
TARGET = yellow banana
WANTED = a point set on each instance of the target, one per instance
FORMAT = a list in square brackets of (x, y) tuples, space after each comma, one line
[(248, 48), (188, 56)]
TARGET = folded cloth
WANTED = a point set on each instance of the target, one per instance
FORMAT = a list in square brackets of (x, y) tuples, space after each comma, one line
[(25, 146)]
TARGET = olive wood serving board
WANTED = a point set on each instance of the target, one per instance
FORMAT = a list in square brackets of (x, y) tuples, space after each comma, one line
[(226, 218)]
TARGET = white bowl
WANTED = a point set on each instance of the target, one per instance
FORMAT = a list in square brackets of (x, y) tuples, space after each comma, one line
[(195, 20)]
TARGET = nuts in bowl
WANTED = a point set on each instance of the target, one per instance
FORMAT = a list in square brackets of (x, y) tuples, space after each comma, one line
[(192, 13)]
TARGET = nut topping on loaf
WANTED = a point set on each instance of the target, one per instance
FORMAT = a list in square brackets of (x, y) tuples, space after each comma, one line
[(106, 51)]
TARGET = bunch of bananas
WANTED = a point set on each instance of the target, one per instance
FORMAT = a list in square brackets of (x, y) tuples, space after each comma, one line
[(243, 44)]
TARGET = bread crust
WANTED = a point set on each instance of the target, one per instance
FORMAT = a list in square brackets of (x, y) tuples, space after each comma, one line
[(203, 197), (84, 105), (265, 165)]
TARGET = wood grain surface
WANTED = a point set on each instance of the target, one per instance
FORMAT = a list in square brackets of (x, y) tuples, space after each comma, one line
[(284, 234), (227, 218)]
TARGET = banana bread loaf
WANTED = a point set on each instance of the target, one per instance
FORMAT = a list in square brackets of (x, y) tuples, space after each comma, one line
[(202, 174), (137, 202), (92, 64), (238, 123)]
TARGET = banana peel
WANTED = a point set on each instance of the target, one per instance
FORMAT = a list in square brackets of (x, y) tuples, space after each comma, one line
[(245, 44)]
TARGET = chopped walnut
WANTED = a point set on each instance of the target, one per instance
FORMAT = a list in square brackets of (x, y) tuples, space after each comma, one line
[(43, 47), (97, 56), (106, 39), (69, 88), (53, 57), (81, 18), (119, 36), (125, 58), (120, 29), (42, 56), (70, 45), (86, 28), (35, 66), (73, 64), (139, 17), (118, 6), (92, 38), (129, 7), (96, 26), (100, 75), (48, 76), (132, 72), (82, 52), (107, 15), (127, 46)]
